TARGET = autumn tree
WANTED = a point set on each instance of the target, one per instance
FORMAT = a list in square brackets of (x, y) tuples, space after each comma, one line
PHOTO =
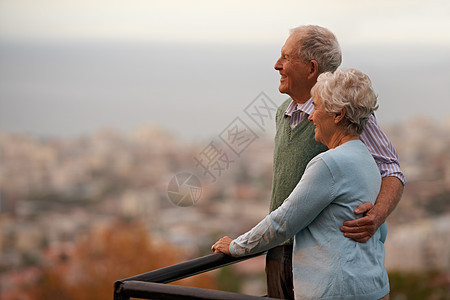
[(105, 255)]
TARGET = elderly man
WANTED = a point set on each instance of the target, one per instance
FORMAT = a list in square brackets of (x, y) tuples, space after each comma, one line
[(308, 52)]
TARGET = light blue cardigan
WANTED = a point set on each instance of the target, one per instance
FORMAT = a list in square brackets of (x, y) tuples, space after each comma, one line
[(327, 265)]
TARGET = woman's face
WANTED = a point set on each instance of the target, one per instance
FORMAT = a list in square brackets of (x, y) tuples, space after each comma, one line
[(323, 121)]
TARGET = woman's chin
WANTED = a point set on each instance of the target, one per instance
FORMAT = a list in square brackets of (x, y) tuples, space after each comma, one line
[(317, 138)]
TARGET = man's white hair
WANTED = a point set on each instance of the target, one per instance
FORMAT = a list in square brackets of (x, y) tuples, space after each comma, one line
[(319, 44)]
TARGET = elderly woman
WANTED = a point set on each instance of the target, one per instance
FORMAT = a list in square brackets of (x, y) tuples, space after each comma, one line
[(326, 265)]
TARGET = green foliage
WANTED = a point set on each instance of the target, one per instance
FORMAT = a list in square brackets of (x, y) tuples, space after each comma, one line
[(418, 286), (228, 280)]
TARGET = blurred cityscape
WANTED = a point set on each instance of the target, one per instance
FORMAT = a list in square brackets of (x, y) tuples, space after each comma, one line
[(83, 212)]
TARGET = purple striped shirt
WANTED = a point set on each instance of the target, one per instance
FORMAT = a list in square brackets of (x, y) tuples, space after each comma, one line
[(375, 140)]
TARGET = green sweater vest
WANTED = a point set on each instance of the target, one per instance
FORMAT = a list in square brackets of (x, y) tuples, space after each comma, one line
[(293, 151)]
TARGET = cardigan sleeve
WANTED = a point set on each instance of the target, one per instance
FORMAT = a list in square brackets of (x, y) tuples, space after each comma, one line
[(313, 193)]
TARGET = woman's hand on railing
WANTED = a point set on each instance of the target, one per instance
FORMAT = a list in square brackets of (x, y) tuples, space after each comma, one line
[(222, 245)]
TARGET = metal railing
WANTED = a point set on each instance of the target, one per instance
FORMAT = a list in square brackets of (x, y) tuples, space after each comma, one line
[(151, 285)]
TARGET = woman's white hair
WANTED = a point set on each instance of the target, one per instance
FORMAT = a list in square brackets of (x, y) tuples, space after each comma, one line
[(350, 89), (319, 44)]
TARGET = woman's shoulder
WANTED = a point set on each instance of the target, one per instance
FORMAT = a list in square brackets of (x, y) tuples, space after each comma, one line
[(351, 163), (350, 152)]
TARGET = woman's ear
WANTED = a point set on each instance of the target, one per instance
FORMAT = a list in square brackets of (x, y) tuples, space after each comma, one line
[(313, 69), (340, 116)]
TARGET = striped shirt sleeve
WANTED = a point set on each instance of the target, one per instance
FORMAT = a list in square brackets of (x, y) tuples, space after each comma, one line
[(382, 150)]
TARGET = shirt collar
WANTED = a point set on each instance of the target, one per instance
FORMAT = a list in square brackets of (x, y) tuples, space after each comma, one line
[(307, 108)]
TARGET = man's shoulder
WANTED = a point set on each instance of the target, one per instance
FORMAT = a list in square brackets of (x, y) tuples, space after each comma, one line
[(282, 108), (285, 104)]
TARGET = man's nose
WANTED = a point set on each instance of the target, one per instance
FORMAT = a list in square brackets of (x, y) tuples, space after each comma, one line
[(278, 65)]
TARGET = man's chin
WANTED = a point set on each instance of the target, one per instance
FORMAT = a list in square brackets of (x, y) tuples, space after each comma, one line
[(282, 90)]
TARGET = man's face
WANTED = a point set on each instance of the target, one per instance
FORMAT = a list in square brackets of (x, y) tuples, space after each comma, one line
[(294, 73)]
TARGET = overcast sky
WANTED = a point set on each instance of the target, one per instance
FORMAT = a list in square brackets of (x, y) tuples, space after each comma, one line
[(71, 67), (354, 21)]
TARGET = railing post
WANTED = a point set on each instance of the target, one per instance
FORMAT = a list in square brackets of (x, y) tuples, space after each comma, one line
[(118, 292)]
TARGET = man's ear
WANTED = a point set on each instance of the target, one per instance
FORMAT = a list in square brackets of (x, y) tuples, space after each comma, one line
[(340, 116), (313, 69)]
